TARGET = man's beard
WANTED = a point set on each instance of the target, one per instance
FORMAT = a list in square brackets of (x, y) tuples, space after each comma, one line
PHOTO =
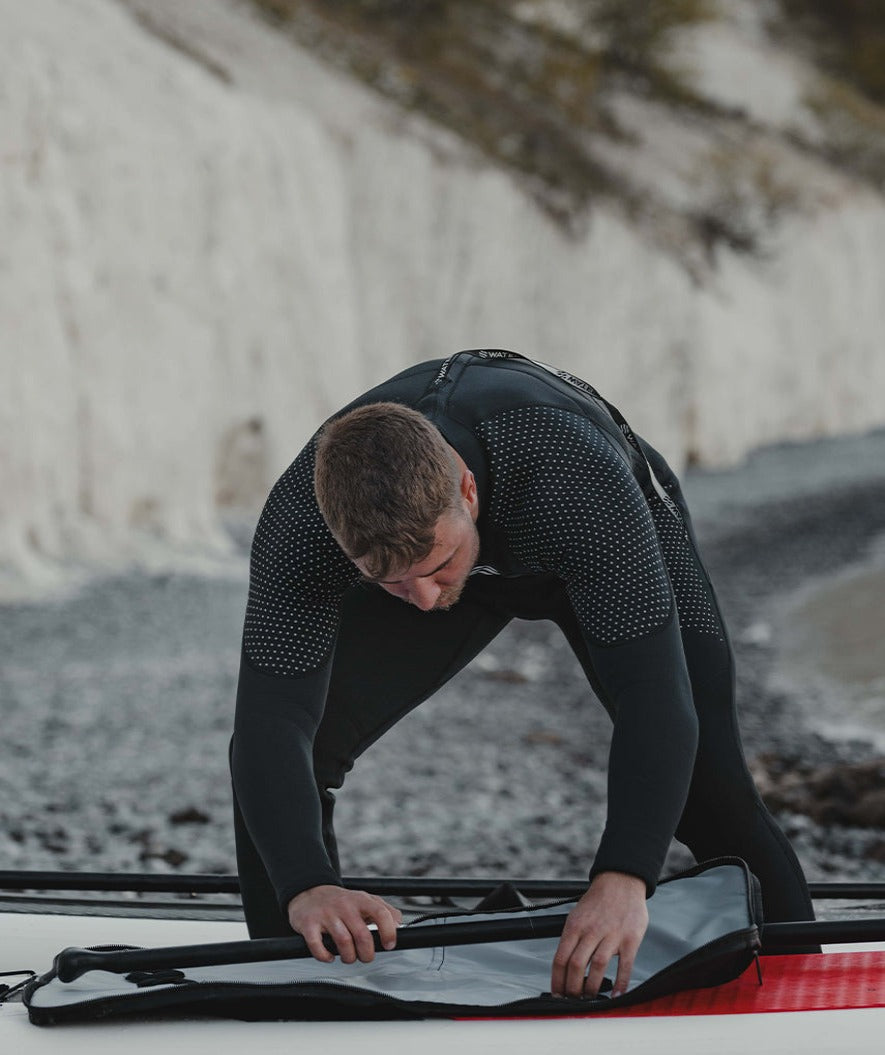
[(452, 594), (449, 597)]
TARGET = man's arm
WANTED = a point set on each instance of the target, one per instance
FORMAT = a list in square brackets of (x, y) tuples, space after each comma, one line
[(653, 746), (650, 764), (298, 575), (272, 770), (568, 503)]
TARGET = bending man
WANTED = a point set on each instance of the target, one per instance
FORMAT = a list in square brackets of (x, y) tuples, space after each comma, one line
[(421, 519)]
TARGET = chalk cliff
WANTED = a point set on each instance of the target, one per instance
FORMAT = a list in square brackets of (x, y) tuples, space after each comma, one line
[(210, 239)]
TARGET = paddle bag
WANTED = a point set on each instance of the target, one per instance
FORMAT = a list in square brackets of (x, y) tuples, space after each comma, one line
[(703, 930)]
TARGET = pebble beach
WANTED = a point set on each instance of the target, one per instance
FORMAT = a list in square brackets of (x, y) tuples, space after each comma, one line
[(117, 705)]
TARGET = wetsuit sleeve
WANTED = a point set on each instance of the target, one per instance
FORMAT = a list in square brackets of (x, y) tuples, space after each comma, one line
[(297, 577), (272, 769), (652, 750), (567, 502)]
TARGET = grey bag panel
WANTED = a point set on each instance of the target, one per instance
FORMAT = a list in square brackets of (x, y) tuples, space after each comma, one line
[(706, 912)]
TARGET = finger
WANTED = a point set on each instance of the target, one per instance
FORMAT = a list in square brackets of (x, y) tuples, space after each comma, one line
[(561, 960), (597, 962), (383, 918), (625, 967), (314, 938), (363, 939), (395, 912), (340, 934), (570, 962), (587, 967), (576, 973)]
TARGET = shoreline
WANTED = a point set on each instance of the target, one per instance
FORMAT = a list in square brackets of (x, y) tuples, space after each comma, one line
[(831, 648)]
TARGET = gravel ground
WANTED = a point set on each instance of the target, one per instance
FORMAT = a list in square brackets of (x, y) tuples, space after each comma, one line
[(118, 701)]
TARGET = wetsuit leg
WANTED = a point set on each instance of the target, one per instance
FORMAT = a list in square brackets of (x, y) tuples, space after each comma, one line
[(389, 657), (724, 813)]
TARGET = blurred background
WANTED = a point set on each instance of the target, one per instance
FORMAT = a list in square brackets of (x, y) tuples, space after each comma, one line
[(221, 220)]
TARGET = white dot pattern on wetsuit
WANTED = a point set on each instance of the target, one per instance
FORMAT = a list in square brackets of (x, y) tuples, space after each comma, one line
[(298, 575), (556, 484), (568, 503), (696, 611)]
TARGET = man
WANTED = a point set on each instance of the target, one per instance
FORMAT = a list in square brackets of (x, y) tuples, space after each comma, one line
[(413, 527)]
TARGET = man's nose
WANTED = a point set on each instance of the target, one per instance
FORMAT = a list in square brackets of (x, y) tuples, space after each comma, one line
[(424, 594)]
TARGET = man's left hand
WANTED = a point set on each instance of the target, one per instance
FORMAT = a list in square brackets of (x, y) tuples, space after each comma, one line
[(609, 920)]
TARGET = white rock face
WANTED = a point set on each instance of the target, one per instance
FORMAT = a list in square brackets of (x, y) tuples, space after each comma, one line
[(209, 241)]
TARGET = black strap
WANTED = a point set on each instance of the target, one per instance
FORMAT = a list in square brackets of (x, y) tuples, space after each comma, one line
[(7, 992)]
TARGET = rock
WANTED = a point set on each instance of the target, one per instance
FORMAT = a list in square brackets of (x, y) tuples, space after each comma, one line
[(543, 736), (870, 811), (758, 634), (189, 815), (172, 857), (848, 793), (505, 675), (876, 851)]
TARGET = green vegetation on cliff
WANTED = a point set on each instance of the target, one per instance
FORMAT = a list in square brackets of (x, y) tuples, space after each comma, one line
[(526, 91), (847, 38), (535, 86)]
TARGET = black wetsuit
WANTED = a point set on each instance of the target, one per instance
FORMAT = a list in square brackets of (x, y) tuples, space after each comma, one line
[(580, 521)]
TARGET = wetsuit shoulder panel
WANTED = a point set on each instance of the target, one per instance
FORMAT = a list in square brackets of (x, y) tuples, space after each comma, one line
[(298, 575), (568, 504)]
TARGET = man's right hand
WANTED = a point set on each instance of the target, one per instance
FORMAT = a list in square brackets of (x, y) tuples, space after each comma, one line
[(344, 915)]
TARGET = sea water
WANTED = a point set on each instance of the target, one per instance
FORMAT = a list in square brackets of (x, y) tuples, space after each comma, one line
[(831, 648)]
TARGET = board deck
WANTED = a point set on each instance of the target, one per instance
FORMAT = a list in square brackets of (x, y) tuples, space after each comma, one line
[(803, 982), (853, 986)]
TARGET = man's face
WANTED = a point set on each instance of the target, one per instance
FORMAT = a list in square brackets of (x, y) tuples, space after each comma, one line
[(435, 583)]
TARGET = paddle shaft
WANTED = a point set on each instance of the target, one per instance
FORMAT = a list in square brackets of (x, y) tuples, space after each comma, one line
[(826, 932), (71, 963)]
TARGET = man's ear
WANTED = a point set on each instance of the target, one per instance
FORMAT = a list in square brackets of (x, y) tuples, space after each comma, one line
[(468, 491)]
